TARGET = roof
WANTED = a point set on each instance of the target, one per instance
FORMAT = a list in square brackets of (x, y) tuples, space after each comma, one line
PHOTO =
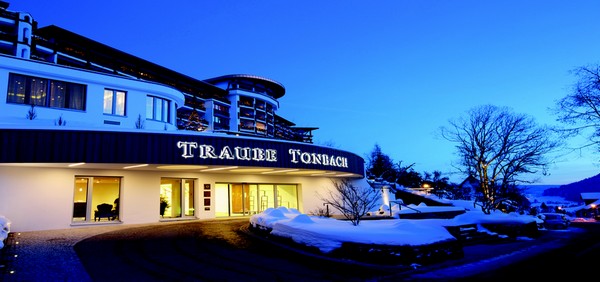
[(108, 56), (590, 196), (470, 181), (276, 89)]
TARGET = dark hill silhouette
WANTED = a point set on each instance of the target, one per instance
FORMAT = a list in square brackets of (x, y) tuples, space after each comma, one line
[(572, 192)]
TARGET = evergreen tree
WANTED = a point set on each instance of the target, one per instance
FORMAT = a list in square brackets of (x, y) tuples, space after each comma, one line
[(194, 122), (380, 165)]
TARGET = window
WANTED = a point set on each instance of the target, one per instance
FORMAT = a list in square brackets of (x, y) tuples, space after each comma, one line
[(247, 125), (221, 110), (176, 198), (247, 113), (96, 199), (240, 199), (245, 101), (114, 102), (261, 127), (43, 92), (260, 104), (158, 109)]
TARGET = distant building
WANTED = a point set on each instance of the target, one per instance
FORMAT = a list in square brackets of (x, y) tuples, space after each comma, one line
[(84, 124), (591, 204)]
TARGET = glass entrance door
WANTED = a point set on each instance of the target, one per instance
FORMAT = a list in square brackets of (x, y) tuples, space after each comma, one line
[(176, 198), (240, 199)]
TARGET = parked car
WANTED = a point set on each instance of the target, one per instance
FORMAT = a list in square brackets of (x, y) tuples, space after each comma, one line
[(555, 220), (539, 222)]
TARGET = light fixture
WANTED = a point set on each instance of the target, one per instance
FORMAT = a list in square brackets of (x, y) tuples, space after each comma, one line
[(305, 172), (219, 168), (278, 171), (345, 175), (182, 167), (251, 170), (321, 174), (134, 166)]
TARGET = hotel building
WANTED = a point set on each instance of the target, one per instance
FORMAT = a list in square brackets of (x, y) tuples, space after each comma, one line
[(92, 135)]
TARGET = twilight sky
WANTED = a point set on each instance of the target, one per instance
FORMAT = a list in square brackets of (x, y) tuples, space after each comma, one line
[(386, 72)]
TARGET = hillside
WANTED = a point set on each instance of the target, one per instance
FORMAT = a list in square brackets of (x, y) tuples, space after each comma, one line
[(572, 192)]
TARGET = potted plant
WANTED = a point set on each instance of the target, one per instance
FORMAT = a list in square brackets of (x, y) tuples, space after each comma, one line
[(164, 204)]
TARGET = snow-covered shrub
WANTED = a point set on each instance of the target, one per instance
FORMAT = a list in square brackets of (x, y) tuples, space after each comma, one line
[(4, 230)]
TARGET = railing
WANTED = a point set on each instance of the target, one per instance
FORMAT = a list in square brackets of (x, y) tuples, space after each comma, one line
[(400, 204)]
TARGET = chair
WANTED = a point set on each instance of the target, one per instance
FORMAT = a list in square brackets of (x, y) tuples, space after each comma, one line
[(104, 210)]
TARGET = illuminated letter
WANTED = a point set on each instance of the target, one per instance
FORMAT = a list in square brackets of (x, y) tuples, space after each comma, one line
[(294, 152), (242, 153), (305, 158), (258, 154), (187, 148), (207, 151), (271, 155), (316, 158), (339, 161), (226, 153)]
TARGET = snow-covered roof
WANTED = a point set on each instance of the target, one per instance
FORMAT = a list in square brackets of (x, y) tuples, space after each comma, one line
[(590, 196)]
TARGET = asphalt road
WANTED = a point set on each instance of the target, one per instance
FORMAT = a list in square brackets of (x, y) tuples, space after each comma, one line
[(204, 251), (577, 257), (221, 251)]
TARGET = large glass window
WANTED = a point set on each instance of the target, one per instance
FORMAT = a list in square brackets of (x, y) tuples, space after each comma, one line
[(246, 101), (247, 113), (176, 198), (239, 199), (58, 91), (220, 109), (247, 125), (287, 195), (114, 102), (158, 109), (261, 127), (44, 92), (96, 198), (39, 87)]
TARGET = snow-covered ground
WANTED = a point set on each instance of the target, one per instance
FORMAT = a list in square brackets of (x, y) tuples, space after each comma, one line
[(328, 234), (4, 230)]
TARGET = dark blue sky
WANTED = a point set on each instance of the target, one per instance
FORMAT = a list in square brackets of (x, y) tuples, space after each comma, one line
[(365, 72)]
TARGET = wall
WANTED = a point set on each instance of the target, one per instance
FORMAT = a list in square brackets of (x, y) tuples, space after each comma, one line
[(93, 116), (36, 198)]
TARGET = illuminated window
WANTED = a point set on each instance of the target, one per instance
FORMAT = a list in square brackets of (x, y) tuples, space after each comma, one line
[(114, 102), (43, 92), (240, 199), (96, 199), (176, 198)]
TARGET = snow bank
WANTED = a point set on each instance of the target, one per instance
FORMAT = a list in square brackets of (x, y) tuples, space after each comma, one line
[(328, 234), (4, 230)]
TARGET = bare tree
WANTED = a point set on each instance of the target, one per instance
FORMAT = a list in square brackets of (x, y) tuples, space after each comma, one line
[(497, 146), (352, 201), (580, 109)]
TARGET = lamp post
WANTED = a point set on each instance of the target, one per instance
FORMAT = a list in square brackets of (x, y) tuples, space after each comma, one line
[(327, 209)]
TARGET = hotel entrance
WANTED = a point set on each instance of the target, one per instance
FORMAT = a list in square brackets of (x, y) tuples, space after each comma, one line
[(243, 199)]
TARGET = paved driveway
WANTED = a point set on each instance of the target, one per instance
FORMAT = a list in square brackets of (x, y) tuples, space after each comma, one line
[(216, 250), (213, 250)]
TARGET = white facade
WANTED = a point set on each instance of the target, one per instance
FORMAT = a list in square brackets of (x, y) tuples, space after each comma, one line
[(44, 202), (92, 117)]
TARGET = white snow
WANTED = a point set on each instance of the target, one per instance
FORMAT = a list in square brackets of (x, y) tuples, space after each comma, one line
[(328, 234)]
